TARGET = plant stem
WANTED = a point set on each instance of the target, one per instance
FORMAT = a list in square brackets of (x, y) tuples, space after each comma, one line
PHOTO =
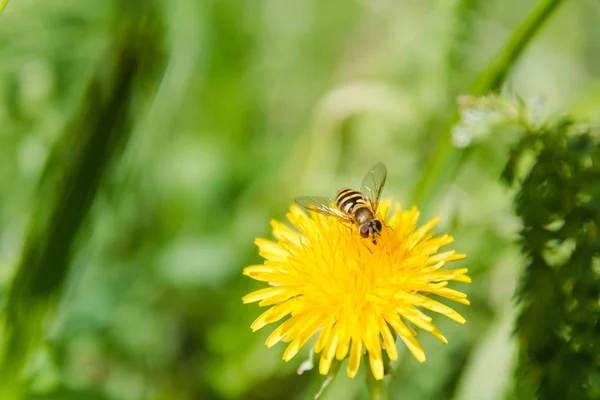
[(376, 388), (447, 158)]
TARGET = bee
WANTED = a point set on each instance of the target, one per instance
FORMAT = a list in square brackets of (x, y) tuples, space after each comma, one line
[(358, 209)]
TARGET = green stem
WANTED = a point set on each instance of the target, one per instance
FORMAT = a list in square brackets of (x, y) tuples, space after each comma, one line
[(495, 74), (376, 388), (447, 158)]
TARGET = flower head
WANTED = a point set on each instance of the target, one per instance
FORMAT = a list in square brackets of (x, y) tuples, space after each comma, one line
[(353, 293)]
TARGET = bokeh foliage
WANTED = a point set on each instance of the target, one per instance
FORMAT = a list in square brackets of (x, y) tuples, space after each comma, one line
[(233, 109), (559, 292)]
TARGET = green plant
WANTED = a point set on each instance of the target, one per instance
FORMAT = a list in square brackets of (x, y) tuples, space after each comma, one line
[(558, 201)]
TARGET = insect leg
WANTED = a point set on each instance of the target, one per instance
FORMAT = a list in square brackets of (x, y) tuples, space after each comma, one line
[(364, 244), (347, 225)]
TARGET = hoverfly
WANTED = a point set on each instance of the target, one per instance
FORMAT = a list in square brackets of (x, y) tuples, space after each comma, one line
[(353, 207)]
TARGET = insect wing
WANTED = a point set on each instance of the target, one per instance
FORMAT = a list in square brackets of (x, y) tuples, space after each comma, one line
[(321, 205), (373, 183)]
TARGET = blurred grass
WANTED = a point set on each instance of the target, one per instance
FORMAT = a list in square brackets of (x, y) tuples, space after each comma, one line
[(74, 171), (258, 103)]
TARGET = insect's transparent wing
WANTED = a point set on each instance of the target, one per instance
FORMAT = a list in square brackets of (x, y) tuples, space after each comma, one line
[(373, 183), (322, 205)]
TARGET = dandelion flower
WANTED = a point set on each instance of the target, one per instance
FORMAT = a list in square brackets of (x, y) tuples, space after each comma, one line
[(354, 294)]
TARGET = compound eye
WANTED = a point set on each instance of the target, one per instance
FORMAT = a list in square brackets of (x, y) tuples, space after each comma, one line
[(378, 226), (364, 230)]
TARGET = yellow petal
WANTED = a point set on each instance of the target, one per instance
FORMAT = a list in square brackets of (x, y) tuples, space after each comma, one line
[(264, 294), (442, 309), (328, 352), (432, 245), (459, 275), (280, 297), (373, 345), (451, 294), (441, 256), (388, 340), (271, 251), (284, 233), (274, 314), (355, 354), (418, 235), (384, 208), (438, 335), (406, 335), (376, 364), (287, 328), (343, 339), (420, 320), (324, 335), (300, 340), (258, 269)]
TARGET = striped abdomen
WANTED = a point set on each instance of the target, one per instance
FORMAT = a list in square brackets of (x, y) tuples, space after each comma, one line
[(355, 204)]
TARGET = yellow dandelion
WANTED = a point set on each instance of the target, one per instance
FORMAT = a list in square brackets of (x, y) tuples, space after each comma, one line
[(355, 294)]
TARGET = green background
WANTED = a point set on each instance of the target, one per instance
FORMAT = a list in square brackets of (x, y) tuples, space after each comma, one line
[(253, 103)]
